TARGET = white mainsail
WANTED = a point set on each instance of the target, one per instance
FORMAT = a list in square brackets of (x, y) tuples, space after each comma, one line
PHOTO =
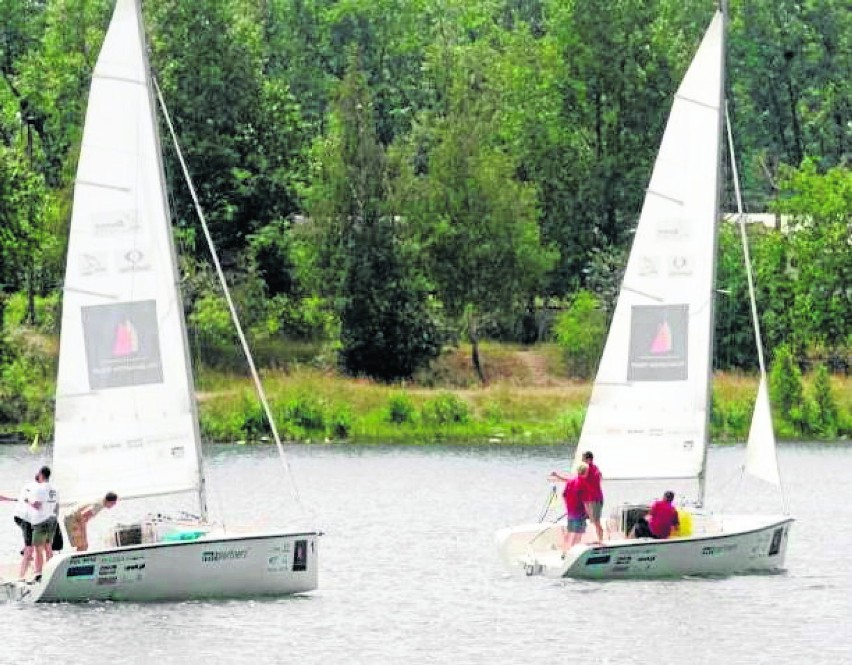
[(125, 409), (647, 416)]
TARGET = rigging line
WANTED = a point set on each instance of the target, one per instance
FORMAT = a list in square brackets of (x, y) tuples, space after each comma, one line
[(548, 502), (227, 293), (750, 278), (744, 240), (549, 526)]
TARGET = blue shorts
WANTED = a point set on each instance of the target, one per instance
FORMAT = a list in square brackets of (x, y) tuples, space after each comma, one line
[(576, 526)]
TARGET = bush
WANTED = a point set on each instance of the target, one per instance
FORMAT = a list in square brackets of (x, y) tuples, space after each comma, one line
[(340, 423), (445, 409), (47, 312), (824, 407), (571, 424), (580, 331), (401, 409), (305, 412), (785, 388)]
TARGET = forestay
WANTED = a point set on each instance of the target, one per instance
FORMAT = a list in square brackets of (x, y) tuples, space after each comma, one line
[(648, 412), (125, 411)]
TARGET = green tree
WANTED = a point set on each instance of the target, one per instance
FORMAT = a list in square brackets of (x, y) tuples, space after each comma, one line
[(825, 415), (387, 330), (791, 91), (241, 134), (820, 210), (28, 243), (734, 333), (476, 222), (581, 331), (785, 387), (621, 63), (50, 81)]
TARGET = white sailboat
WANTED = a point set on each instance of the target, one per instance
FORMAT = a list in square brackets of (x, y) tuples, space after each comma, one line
[(126, 417), (649, 410)]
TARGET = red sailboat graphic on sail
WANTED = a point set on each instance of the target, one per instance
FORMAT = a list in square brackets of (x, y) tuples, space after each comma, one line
[(662, 342), (126, 340)]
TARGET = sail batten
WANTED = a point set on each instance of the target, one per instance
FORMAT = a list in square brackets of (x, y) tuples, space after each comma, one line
[(125, 418), (647, 417)]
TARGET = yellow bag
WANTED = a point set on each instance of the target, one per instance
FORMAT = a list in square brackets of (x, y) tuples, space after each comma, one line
[(685, 528)]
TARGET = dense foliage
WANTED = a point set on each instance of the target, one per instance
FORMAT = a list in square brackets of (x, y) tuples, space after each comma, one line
[(384, 176)]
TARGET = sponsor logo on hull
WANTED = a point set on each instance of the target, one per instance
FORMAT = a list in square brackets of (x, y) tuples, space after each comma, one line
[(217, 556)]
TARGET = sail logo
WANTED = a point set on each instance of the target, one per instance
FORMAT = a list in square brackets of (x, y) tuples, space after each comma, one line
[(91, 264), (126, 339), (134, 260), (662, 340), (679, 266), (648, 266), (111, 223), (122, 344), (672, 229), (658, 343)]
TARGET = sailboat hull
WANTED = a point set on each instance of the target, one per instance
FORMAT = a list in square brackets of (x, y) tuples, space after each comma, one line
[(273, 564), (745, 544)]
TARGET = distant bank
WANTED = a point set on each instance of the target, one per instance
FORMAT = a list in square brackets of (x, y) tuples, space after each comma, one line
[(528, 400)]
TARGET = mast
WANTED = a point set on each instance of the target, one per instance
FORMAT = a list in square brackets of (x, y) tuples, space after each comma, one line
[(702, 476), (190, 382)]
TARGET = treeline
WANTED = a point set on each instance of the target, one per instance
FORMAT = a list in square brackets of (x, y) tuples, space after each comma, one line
[(388, 176)]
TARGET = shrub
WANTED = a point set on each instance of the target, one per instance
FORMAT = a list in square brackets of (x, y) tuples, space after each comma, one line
[(785, 387), (340, 423), (571, 424), (493, 412), (401, 409), (305, 412), (824, 407), (444, 409), (580, 331)]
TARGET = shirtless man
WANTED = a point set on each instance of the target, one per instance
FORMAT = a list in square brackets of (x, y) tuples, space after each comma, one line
[(77, 519)]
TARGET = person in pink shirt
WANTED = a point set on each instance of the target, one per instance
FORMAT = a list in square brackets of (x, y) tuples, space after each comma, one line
[(575, 510), (593, 493), (662, 516)]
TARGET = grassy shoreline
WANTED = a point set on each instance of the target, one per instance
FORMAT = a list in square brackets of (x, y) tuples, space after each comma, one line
[(528, 401), (316, 407)]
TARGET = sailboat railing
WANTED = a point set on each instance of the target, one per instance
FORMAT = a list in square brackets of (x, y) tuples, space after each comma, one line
[(261, 393)]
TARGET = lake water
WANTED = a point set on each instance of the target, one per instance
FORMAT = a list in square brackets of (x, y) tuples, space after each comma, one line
[(409, 573)]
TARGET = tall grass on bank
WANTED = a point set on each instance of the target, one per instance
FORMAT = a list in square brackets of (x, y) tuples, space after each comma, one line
[(528, 400), (313, 406)]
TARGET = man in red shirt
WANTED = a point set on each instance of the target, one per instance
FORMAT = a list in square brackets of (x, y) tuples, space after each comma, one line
[(575, 510), (593, 493), (663, 516)]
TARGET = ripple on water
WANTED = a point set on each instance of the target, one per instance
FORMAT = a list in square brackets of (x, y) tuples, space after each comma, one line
[(409, 575)]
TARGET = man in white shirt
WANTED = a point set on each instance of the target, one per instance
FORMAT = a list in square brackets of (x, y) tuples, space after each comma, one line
[(21, 515), (27, 504), (43, 500)]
